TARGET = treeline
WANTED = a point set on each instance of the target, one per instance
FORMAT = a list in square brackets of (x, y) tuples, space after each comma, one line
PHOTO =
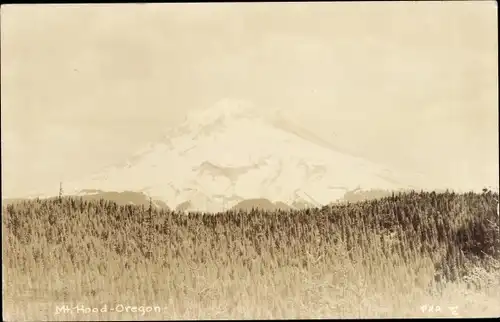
[(453, 229)]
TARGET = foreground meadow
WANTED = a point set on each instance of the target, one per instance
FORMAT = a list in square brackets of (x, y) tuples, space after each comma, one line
[(409, 255)]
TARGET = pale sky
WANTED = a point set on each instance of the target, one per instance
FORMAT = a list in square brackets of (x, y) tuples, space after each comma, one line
[(410, 84)]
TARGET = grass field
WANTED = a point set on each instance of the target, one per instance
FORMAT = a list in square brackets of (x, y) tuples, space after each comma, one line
[(409, 255)]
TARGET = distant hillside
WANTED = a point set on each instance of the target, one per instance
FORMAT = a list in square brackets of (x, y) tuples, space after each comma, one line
[(120, 198), (302, 204), (262, 204), (358, 195), (282, 205), (362, 195), (12, 201), (184, 206)]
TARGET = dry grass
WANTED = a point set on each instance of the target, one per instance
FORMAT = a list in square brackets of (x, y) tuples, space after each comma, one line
[(393, 257)]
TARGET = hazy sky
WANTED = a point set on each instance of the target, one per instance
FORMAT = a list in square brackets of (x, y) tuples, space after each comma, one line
[(410, 84)]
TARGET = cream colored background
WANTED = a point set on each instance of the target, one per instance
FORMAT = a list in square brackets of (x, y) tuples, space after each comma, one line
[(410, 84)]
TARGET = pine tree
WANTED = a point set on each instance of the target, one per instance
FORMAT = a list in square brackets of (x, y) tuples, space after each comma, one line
[(150, 210), (60, 191)]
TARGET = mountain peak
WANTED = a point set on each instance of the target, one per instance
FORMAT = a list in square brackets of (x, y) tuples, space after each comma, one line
[(225, 112), (223, 109)]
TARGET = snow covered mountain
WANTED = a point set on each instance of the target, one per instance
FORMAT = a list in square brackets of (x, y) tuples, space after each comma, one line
[(228, 153)]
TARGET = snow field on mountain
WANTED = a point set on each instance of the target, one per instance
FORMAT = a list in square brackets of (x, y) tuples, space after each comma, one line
[(230, 152)]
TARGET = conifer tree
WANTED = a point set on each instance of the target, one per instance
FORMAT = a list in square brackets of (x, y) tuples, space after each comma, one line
[(60, 191)]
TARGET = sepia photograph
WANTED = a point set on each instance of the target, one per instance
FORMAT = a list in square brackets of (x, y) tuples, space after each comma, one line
[(267, 160)]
